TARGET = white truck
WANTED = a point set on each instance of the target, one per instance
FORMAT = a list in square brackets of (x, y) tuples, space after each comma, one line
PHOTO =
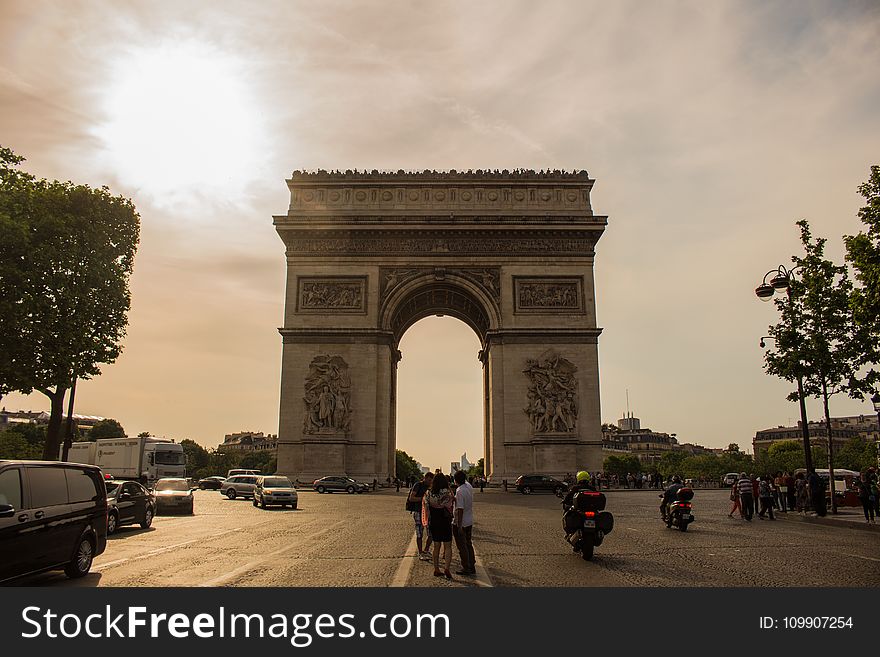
[(143, 459)]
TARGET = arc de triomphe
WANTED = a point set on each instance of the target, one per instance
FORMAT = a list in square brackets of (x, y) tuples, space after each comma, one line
[(369, 254)]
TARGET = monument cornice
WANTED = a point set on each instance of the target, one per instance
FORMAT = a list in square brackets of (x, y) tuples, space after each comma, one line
[(459, 217), (476, 176), (316, 335), (543, 336), (579, 241)]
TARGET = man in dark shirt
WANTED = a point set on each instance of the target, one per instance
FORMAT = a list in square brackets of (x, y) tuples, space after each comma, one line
[(670, 495)]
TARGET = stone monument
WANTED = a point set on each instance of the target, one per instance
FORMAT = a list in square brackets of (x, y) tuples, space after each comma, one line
[(510, 253)]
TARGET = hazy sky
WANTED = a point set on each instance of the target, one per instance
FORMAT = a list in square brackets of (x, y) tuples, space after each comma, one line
[(710, 127)]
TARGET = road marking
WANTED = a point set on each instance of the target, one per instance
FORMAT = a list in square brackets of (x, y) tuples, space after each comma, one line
[(238, 572), (161, 550), (482, 578), (858, 556), (404, 568)]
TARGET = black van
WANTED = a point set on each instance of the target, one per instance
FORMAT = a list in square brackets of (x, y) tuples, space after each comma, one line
[(52, 515)]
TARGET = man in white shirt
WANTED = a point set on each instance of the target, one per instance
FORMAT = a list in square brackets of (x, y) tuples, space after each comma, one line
[(463, 524)]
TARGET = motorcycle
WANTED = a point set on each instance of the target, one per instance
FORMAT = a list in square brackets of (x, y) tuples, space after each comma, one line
[(679, 513), (585, 521)]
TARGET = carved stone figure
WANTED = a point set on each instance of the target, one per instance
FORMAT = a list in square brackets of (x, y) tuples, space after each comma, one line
[(548, 295), (552, 394), (327, 396), (331, 295)]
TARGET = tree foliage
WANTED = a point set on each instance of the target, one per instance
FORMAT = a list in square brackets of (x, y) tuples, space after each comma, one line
[(406, 465), (622, 465), (66, 254), (863, 254), (107, 428)]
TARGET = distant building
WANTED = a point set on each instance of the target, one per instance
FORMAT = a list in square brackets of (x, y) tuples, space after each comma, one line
[(843, 429), (248, 441), (629, 436), (8, 418), (465, 464)]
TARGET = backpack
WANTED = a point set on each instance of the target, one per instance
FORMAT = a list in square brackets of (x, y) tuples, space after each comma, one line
[(412, 503)]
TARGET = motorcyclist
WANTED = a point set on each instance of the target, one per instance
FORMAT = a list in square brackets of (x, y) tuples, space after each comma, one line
[(582, 482), (670, 495)]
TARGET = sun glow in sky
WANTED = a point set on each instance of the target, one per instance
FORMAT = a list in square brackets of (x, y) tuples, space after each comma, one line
[(180, 117)]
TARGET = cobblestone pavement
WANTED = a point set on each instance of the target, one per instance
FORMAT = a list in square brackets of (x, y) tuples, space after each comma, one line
[(366, 540)]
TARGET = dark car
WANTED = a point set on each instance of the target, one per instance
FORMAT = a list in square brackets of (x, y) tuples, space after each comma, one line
[(128, 503), (211, 483), (52, 516), (174, 494), (527, 484), (330, 484)]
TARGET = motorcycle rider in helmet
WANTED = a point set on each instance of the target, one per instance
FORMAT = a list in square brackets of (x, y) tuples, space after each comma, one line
[(670, 495), (583, 482)]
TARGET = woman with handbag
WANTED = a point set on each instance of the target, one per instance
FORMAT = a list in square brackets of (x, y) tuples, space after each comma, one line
[(440, 503), (414, 506)]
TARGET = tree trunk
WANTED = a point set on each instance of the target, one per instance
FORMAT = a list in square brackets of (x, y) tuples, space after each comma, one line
[(53, 431), (830, 445)]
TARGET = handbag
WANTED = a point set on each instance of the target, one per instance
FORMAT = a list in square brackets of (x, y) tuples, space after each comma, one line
[(411, 504)]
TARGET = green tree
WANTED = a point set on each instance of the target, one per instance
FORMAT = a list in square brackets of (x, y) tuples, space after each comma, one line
[(818, 339), (13, 445), (66, 254), (406, 465), (621, 465), (863, 253), (477, 470), (857, 454), (197, 459), (108, 428), (671, 463)]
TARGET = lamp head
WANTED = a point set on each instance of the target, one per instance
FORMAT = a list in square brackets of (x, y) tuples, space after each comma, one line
[(876, 401), (762, 343), (780, 282), (764, 292)]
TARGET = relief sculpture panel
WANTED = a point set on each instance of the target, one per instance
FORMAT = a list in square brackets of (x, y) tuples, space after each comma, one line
[(548, 295), (331, 294), (552, 394), (327, 400)]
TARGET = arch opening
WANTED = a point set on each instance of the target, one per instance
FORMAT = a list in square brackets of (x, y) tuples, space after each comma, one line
[(440, 392)]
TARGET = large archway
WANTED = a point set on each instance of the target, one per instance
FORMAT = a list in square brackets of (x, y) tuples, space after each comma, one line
[(439, 397), (509, 254)]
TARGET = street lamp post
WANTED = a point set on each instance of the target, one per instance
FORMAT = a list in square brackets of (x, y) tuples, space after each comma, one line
[(765, 291)]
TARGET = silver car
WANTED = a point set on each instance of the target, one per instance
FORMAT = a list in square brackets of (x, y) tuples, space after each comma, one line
[(239, 486), (274, 489)]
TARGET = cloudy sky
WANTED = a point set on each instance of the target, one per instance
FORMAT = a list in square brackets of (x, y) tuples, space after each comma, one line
[(710, 128)]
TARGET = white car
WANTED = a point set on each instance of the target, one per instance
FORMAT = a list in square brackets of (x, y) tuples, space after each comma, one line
[(239, 486)]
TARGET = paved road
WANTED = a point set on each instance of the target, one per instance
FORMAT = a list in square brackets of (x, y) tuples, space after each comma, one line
[(366, 540)]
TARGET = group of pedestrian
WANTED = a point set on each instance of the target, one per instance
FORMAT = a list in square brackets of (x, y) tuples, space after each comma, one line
[(799, 493), (442, 511)]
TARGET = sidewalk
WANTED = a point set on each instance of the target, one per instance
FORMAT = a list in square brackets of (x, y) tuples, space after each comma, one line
[(846, 517)]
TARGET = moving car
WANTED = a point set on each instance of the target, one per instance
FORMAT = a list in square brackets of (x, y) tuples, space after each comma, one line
[(730, 479), (174, 495), (52, 515), (274, 489), (128, 503), (239, 486), (527, 484), (211, 483), (330, 484), (241, 471)]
